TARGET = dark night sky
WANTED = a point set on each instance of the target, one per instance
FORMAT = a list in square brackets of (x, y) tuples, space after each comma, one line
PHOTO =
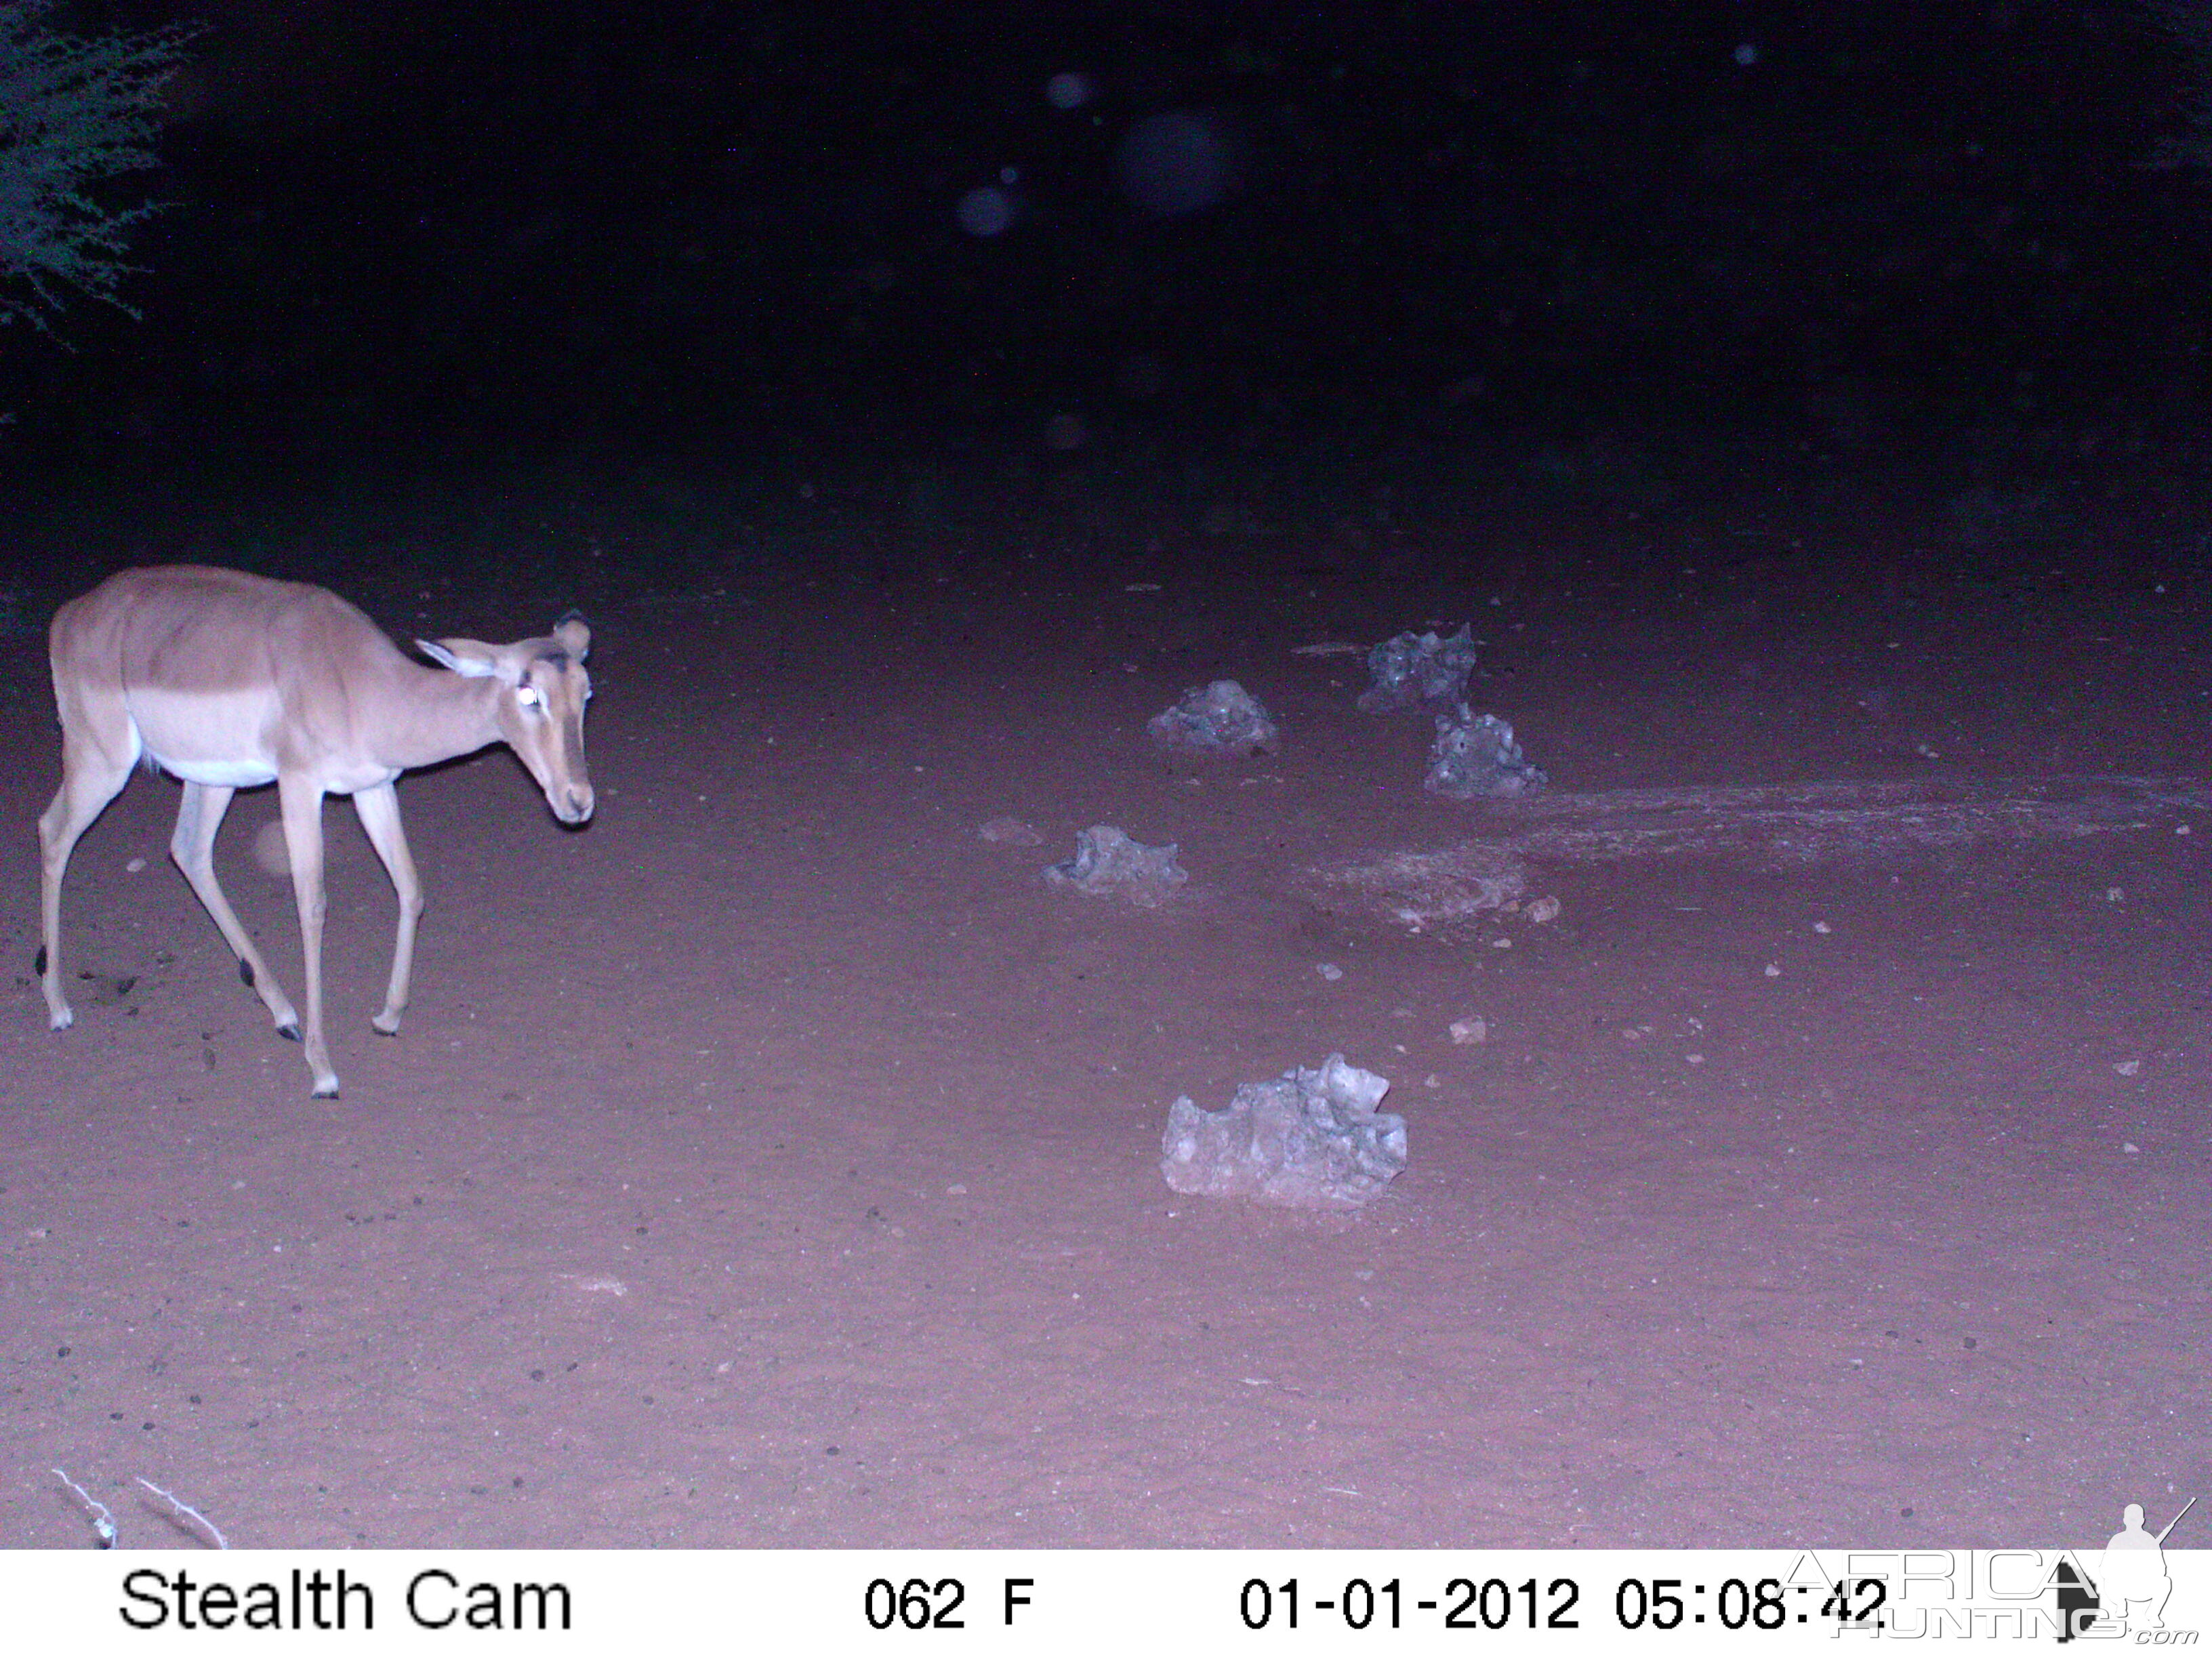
[(625, 230)]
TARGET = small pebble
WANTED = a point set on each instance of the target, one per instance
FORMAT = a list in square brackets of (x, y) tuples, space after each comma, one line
[(1009, 832)]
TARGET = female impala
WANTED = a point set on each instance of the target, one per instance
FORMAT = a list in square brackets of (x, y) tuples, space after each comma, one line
[(226, 681)]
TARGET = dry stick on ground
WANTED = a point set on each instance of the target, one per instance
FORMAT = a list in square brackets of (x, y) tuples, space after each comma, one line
[(187, 1517), (103, 1522)]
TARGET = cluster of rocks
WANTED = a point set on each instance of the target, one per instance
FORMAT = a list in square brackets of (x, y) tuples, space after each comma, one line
[(1313, 1138)]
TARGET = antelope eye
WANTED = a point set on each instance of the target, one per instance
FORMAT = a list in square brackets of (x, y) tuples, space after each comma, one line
[(527, 696)]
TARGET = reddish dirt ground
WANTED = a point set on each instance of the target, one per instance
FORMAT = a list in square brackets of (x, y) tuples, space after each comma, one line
[(775, 1162)]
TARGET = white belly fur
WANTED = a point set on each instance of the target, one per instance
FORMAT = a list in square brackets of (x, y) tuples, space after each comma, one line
[(223, 777)]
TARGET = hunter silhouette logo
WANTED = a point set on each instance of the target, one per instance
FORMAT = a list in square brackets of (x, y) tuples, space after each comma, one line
[(2131, 1584)]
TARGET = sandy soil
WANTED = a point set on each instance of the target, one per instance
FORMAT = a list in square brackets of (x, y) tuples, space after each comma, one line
[(775, 1162)]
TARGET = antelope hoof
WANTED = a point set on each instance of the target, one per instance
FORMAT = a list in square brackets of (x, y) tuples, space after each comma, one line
[(290, 1033), (326, 1089), (388, 1025), (61, 1019)]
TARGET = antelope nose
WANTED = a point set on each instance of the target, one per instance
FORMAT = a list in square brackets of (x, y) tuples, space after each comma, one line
[(575, 805)]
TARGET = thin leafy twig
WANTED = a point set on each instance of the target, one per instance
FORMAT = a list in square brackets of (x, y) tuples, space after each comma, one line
[(103, 1521), (186, 1517)]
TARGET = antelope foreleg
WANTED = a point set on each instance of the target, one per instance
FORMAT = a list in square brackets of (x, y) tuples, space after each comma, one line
[(379, 808)]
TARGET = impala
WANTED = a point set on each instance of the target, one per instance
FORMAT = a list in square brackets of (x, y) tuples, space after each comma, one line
[(227, 681)]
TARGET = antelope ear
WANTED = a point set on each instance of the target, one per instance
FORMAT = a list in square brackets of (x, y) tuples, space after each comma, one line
[(574, 636), (471, 659)]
